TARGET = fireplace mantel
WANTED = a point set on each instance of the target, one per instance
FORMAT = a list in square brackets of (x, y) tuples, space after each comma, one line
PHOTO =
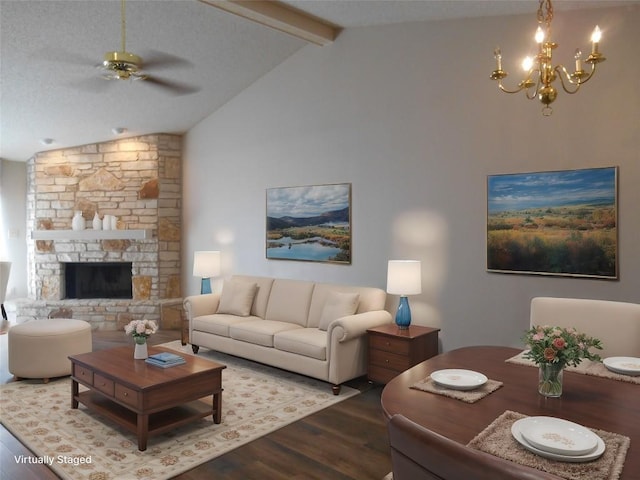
[(91, 234)]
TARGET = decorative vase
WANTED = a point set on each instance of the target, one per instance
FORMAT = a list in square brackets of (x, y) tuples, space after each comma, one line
[(140, 352), (106, 222), (403, 314), (550, 377), (114, 222), (97, 223), (77, 222)]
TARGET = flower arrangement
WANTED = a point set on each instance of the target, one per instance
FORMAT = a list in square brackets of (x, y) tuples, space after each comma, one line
[(141, 329), (552, 349), (561, 346)]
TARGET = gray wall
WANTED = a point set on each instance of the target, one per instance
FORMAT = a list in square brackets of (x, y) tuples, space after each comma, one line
[(408, 115), (13, 246)]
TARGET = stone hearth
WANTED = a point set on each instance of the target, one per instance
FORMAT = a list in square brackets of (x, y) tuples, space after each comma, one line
[(138, 180)]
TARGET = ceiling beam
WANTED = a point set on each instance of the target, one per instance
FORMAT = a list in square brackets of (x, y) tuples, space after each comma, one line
[(281, 17)]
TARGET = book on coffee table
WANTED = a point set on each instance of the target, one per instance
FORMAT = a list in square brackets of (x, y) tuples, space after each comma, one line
[(165, 359)]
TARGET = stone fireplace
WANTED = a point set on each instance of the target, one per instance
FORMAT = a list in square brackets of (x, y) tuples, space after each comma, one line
[(137, 180)]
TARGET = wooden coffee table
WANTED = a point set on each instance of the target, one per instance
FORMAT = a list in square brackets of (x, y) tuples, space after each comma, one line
[(142, 398)]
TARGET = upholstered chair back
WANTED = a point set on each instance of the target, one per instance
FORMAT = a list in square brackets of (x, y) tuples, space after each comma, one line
[(616, 324)]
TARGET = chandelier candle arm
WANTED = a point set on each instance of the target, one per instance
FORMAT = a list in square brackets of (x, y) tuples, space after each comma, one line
[(541, 66)]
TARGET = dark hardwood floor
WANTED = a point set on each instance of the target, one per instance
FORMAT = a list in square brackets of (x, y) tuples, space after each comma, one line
[(345, 441)]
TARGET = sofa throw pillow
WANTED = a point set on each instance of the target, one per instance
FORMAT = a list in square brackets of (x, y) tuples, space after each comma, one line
[(338, 305), (237, 297)]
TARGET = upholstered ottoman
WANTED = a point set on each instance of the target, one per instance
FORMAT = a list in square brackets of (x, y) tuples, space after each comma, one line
[(40, 348)]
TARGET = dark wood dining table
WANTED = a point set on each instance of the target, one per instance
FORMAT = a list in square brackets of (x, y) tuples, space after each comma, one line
[(595, 402)]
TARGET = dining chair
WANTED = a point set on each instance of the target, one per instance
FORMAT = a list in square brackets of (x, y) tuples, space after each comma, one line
[(420, 454), (615, 324)]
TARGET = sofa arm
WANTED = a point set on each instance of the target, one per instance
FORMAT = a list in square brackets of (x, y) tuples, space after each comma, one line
[(353, 326), (198, 305)]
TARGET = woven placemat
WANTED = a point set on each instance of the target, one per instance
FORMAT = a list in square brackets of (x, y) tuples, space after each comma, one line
[(469, 396), (497, 440), (587, 367)]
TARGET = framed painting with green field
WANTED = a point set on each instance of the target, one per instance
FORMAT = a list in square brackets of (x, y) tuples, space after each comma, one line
[(309, 223), (554, 223)]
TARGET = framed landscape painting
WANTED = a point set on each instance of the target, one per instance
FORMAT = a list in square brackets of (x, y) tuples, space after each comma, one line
[(554, 223), (310, 223)]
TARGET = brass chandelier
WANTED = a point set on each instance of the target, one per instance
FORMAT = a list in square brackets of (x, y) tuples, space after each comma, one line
[(540, 71)]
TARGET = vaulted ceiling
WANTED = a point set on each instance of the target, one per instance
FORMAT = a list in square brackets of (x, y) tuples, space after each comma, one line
[(51, 89)]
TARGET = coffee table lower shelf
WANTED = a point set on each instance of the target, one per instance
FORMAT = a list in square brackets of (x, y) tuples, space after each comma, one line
[(158, 422)]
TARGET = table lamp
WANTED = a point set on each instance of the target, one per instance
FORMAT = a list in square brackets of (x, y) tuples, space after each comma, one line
[(5, 268), (206, 265), (404, 278)]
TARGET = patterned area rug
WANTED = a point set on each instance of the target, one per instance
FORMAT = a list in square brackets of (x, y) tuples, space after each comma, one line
[(77, 444)]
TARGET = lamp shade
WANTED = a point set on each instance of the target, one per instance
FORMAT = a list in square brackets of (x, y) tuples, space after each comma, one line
[(206, 264), (5, 268), (404, 277)]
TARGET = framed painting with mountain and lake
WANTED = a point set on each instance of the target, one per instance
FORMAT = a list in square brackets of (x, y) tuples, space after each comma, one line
[(309, 223), (554, 223)]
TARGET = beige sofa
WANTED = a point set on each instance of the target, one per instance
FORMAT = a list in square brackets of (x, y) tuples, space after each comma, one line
[(315, 329)]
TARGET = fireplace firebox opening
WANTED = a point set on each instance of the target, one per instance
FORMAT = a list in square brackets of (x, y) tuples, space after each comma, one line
[(98, 280)]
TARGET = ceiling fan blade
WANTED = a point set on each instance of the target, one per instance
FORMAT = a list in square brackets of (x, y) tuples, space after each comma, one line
[(59, 55), (175, 88), (153, 59)]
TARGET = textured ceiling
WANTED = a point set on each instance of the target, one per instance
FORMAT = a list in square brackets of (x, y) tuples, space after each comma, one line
[(48, 51)]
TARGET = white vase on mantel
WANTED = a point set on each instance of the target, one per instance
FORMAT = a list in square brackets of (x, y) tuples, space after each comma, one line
[(97, 223), (106, 222), (77, 222)]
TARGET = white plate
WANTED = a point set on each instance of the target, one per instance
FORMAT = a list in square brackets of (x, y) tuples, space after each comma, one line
[(459, 379), (559, 436), (623, 365), (517, 434)]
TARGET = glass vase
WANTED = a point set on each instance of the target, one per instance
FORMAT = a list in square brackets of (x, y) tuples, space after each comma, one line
[(550, 379), (140, 351)]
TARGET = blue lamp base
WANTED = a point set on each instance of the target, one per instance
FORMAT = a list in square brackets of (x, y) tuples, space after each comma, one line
[(403, 315), (205, 286)]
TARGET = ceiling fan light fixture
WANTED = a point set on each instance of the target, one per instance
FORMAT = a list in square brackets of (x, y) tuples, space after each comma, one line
[(121, 66), (124, 65), (46, 141), (119, 130), (122, 57)]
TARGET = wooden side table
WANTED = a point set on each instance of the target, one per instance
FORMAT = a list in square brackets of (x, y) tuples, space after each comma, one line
[(392, 350)]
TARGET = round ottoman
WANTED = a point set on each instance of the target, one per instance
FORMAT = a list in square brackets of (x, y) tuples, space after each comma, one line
[(39, 349)]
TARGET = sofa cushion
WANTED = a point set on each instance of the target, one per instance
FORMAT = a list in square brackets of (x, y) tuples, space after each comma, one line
[(309, 342), (260, 332), (237, 297), (259, 307), (338, 305), (289, 301), (371, 298), (218, 323)]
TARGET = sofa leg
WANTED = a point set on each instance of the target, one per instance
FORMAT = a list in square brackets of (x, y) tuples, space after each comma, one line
[(195, 348), (336, 389)]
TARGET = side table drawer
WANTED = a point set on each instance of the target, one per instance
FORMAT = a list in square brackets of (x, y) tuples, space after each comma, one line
[(103, 384), (83, 374), (389, 344), (392, 361), (126, 395), (380, 374)]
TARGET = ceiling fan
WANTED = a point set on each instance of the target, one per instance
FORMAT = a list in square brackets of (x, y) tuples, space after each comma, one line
[(124, 65)]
